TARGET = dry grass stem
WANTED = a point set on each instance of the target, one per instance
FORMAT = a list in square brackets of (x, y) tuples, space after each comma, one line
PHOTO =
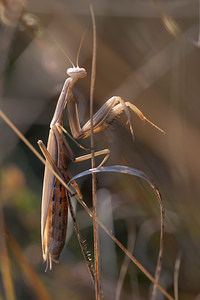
[(160, 254), (126, 261), (176, 274), (94, 198), (5, 262)]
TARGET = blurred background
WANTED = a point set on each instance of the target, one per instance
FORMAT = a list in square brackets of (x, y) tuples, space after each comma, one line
[(147, 53)]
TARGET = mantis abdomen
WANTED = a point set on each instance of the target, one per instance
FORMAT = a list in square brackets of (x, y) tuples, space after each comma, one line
[(55, 231)]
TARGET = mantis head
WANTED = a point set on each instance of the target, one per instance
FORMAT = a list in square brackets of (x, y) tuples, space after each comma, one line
[(77, 72)]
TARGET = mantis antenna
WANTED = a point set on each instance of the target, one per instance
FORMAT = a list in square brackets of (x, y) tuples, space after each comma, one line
[(79, 49), (64, 52)]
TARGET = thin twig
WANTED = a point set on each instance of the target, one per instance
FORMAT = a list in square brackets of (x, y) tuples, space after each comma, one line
[(94, 200)]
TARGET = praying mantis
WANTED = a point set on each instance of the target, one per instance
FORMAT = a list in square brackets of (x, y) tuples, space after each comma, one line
[(55, 199)]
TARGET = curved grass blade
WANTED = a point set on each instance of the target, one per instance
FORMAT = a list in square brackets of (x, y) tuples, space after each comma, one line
[(140, 174), (117, 169)]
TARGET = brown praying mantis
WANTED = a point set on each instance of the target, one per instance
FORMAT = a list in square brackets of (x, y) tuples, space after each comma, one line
[(55, 198)]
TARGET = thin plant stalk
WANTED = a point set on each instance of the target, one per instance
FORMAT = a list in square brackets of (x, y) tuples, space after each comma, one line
[(94, 198)]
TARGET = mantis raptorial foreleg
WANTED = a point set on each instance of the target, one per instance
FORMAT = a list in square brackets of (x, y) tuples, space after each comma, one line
[(103, 117), (70, 154)]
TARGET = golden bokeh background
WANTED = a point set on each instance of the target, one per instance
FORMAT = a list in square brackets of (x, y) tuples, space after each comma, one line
[(147, 53)]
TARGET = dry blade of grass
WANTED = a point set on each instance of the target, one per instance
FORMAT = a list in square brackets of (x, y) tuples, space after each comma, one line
[(126, 261), (27, 269), (94, 199), (140, 174), (5, 263), (126, 170), (176, 274)]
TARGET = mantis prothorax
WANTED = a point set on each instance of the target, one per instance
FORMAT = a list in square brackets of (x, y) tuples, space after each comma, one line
[(55, 199)]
